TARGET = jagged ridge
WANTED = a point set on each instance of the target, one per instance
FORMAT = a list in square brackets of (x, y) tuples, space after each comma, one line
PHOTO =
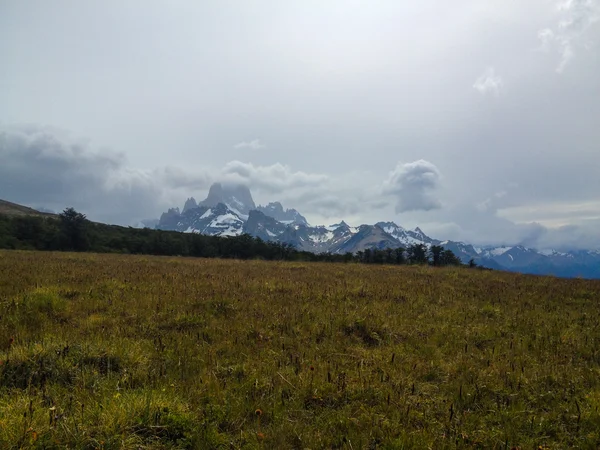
[(230, 211)]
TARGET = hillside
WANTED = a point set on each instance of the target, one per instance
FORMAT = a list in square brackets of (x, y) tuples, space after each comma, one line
[(13, 209), (109, 351)]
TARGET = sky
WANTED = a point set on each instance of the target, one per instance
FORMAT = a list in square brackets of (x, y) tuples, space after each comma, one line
[(476, 121)]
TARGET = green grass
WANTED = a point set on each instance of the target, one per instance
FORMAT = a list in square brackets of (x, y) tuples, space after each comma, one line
[(104, 351)]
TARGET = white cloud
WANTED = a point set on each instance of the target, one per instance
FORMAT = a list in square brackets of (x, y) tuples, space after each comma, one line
[(489, 83), (412, 184), (274, 178), (577, 17), (253, 145)]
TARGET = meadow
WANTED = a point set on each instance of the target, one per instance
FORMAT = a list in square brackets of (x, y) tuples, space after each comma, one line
[(139, 352)]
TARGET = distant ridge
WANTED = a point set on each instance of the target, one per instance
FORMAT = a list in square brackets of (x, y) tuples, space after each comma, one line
[(12, 209), (230, 211)]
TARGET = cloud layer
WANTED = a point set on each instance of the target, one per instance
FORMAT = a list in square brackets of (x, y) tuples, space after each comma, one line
[(46, 167), (313, 104)]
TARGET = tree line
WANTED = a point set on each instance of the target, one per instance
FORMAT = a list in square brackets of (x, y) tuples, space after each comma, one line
[(72, 231)]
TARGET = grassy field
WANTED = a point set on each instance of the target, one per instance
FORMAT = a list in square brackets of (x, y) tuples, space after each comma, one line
[(101, 351)]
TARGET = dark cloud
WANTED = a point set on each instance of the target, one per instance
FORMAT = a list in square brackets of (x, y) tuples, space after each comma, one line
[(46, 167)]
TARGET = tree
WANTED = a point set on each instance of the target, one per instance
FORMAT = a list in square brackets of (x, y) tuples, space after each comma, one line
[(399, 256), (448, 258), (74, 230), (436, 255), (417, 254), (472, 263)]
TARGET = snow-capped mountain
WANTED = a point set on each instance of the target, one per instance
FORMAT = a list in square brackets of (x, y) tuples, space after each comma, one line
[(223, 213), (231, 211), (404, 236), (264, 227), (288, 216), (322, 238), (218, 220), (237, 198)]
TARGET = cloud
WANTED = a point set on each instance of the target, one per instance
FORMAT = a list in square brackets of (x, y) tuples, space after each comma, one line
[(571, 237), (178, 178), (412, 184), (273, 178), (577, 17), (46, 167), (489, 83), (253, 145), (494, 222)]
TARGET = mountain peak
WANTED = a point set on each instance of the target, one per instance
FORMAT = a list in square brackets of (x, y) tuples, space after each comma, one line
[(190, 203), (335, 226), (236, 197), (288, 216)]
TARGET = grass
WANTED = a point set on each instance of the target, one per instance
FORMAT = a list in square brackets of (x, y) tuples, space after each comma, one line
[(107, 352), (13, 209)]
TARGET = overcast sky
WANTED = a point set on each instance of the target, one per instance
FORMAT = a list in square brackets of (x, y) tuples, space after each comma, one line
[(476, 120)]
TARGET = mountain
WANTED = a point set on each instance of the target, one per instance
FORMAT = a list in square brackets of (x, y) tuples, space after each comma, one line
[(229, 210), (265, 227), (368, 236), (224, 212), (237, 198), (190, 203), (288, 216), (218, 220), (406, 237), (320, 239)]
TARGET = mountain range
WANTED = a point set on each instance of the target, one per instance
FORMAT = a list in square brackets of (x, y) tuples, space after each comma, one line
[(229, 210)]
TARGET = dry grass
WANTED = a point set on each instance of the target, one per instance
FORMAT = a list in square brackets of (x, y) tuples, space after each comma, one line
[(102, 351), (13, 209)]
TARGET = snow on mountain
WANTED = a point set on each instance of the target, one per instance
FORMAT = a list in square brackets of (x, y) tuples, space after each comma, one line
[(406, 237), (218, 220), (495, 251), (552, 252), (319, 239), (288, 216)]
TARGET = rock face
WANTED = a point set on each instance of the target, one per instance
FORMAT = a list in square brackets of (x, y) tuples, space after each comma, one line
[(288, 216), (236, 197), (168, 220), (230, 211), (190, 203), (265, 227)]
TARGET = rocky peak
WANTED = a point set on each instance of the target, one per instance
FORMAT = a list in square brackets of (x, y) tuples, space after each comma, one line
[(288, 216), (236, 197), (169, 219), (190, 203)]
